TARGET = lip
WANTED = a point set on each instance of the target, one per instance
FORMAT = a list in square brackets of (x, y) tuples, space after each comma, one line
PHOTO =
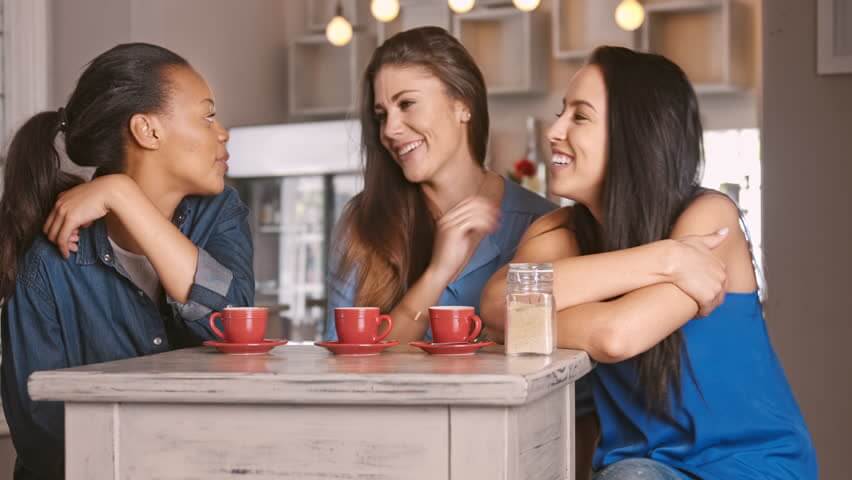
[(397, 146), (556, 151), (224, 158)]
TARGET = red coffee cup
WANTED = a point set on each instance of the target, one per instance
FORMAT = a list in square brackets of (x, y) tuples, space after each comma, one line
[(454, 324), (360, 324), (241, 324)]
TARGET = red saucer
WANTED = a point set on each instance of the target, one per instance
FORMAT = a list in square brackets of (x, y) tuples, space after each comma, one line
[(356, 349), (450, 349), (246, 348)]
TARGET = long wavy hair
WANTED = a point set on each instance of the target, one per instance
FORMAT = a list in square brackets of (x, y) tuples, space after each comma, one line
[(123, 81), (653, 172), (386, 232)]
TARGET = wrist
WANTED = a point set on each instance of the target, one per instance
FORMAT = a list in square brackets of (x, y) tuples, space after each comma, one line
[(436, 277), (120, 192), (667, 259)]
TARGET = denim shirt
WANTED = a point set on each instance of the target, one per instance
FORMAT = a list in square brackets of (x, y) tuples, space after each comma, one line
[(518, 209), (67, 313)]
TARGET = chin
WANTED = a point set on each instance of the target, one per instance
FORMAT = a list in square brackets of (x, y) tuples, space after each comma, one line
[(212, 188)]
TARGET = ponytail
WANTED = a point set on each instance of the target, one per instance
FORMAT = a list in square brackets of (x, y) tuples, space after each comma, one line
[(32, 181)]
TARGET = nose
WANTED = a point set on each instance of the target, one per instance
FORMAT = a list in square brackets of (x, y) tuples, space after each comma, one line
[(392, 127), (558, 132), (223, 135)]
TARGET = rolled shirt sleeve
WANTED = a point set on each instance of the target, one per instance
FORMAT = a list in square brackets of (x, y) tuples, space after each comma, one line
[(224, 272)]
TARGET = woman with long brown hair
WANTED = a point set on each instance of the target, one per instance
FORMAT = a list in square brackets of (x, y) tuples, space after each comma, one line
[(432, 224)]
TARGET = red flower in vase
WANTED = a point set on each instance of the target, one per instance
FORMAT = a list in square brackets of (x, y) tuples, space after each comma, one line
[(524, 168)]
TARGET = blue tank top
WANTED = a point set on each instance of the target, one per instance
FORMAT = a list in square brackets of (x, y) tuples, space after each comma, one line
[(737, 418)]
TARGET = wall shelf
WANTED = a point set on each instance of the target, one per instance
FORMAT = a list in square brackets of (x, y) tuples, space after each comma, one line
[(509, 46), (572, 35), (718, 56), (324, 79)]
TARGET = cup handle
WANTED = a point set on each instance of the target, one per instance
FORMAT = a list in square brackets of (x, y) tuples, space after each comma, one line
[(477, 327), (379, 320), (213, 317)]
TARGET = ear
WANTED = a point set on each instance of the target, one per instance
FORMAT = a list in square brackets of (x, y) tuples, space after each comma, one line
[(146, 131), (462, 112)]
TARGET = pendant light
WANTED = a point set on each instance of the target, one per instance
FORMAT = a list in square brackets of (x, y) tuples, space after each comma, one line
[(629, 15), (339, 30), (384, 10)]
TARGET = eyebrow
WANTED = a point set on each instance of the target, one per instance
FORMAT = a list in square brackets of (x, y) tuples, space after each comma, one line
[(574, 103), (395, 96)]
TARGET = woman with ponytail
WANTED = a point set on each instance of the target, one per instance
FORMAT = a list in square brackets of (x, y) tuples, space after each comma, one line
[(131, 263), (687, 384)]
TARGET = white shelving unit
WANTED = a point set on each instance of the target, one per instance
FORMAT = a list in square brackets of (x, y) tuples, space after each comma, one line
[(509, 46), (578, 26), (718, 56), (324, 79), (413, 14)]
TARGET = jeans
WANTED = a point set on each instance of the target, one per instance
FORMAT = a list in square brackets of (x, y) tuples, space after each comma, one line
[(638, 469)]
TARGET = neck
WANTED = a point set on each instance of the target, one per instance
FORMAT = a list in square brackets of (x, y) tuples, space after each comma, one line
[(461, 180), (160, 192)]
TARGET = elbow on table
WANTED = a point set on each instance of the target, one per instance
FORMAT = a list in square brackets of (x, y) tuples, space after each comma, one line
[(611, 346)]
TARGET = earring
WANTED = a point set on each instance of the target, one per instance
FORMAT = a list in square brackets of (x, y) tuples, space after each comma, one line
[(466, 116)]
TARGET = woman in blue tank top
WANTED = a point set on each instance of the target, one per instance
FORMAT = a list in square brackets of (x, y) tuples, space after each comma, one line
[(687, 383)]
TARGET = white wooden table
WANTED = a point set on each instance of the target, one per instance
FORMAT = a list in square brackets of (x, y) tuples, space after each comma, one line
[(301, 413)]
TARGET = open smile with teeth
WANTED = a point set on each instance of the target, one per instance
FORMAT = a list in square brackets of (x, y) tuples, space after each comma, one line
[(561, 159), (408, 147)]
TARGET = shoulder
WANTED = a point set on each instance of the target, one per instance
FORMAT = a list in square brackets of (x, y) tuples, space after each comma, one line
[(222, 206), (707, 213), (519, 200), (549, 238), (35, 267), (559, 219)]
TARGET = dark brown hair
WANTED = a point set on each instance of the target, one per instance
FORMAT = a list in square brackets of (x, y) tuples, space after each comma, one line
[(652, 174), (386, 231), (119, 83)]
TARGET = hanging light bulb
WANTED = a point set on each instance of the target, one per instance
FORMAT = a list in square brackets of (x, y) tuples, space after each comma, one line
[(526, 5), (461, 6), (339, 30), (384, 10), (629, 15)]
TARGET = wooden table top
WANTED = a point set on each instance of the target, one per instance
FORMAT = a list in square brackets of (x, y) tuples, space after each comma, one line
[(307, 374)]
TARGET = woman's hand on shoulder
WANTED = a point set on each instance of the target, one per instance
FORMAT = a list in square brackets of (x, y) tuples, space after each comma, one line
[(711, 254), (695, 269), (79, 207)]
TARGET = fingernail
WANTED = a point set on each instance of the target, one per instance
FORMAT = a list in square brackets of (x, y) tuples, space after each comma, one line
[(723, 231)]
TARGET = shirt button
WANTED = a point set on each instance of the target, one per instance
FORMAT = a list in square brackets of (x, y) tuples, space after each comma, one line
[(107, 257), (158, 341)]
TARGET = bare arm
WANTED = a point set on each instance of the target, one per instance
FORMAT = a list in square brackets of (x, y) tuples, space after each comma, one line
[(459, 232), (173, 256), (589, 278), (623, 328)]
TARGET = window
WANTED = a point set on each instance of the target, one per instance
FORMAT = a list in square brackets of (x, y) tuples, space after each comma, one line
[(732, 166)]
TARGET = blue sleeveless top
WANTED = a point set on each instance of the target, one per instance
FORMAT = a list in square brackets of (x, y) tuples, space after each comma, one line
[(737, 418)]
